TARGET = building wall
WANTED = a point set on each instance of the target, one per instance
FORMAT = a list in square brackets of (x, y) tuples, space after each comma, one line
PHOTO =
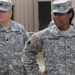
[(36, 13), (26, 13), (73, 2), (23, 13)]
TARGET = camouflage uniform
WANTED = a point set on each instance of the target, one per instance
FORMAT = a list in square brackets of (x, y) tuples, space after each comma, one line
[(51, 23), (58, 51), (12, 41)]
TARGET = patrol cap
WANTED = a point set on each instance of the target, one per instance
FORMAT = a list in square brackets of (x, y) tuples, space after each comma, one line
[(5, 5), (62, 6)]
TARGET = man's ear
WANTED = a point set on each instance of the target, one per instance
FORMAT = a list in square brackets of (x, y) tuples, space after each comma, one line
[(10, 14)]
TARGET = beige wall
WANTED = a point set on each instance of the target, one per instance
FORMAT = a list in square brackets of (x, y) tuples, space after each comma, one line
[(73, 2), (26, 13), (23, 13)]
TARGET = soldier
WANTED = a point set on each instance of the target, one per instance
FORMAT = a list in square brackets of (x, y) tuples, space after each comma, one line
[(57, 43), (12, 40)]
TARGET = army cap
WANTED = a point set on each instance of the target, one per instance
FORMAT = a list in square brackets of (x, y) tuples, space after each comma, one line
[(5, 5), (62, 6)]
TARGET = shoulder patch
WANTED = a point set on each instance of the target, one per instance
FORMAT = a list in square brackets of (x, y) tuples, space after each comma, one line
[(33, 39)]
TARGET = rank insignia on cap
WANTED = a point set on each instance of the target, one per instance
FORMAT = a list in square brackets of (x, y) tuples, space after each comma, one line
[(1, 4)]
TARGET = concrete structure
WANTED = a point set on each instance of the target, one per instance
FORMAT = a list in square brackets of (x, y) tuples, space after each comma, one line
[(33, 14)]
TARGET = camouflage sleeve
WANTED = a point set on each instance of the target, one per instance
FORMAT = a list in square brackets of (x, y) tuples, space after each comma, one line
[(25, 36), (32, 47), (23, 31)]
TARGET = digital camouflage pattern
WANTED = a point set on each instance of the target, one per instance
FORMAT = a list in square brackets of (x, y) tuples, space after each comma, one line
[(51, 23), (5, 5), (12, 41), (58, 51), (61, 6)]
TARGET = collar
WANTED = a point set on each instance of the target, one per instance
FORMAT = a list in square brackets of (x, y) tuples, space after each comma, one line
[(68, 33), (12, 27)]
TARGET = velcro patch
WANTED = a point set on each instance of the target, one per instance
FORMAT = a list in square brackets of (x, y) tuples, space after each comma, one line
[(33, 39)]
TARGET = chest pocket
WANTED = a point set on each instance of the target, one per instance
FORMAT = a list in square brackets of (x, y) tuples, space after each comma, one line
[(53, 43), (59, 47), (17, 41), (11, 41)]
